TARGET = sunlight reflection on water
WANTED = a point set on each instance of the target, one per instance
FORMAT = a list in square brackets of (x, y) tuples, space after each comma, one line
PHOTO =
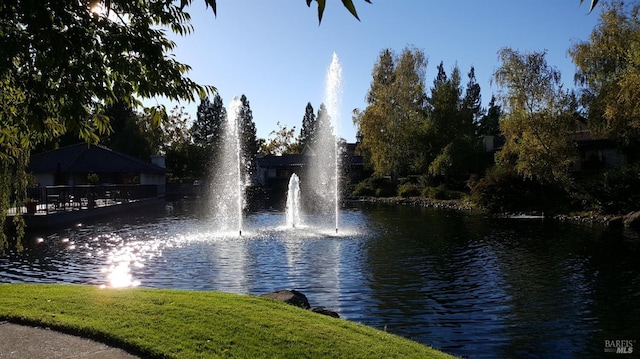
[(126, 252)]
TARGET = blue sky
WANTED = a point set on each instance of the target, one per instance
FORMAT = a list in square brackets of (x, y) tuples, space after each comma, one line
[(276, 54)]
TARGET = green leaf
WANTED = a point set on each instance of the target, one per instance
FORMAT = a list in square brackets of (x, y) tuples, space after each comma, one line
[(212, 3), (593, 4), (352, 9), (321, 5)]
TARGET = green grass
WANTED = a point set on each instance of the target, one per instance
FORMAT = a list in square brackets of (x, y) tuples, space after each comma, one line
[(189, 324)]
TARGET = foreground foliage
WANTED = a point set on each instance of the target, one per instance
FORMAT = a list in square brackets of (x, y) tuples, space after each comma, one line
[(187, 324)]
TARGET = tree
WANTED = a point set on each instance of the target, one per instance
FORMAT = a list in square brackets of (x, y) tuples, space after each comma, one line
[(128, 133), (609, 73), (443, 121), (451, 131), (409, 108), (62, 63), (538, 118), (472, 101), (175, 129), (184, 160), (247, 132), (490, 122), (372, 122), (394, 115), (308, 128), (323, 136), (208, 128), (280, 141)]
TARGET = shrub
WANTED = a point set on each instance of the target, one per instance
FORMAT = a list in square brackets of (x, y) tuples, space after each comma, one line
[(375, 186), (438, 192), (364, 189), (408, 190), (503, 190), (613, 191)]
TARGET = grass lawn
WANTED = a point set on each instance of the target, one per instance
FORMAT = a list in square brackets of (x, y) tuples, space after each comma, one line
[(189, 324)]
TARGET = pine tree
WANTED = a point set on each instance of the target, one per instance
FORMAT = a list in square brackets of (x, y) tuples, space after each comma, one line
[(490, 123), (249, 139), (309, 126), (208, 127)]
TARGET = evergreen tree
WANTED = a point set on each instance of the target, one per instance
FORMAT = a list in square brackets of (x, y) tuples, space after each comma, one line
[(128, 134), (309, 126), (324, 128), (208, 127), (452, 127), (472, 101), (444, 119), (490, 123), (249, 139), (206, 132)]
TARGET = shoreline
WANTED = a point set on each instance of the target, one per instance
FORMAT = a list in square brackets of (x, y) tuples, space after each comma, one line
[(629, 221)]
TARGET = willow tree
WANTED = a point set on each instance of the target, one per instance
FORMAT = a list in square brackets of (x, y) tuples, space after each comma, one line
[(538, 116), (609, 73)]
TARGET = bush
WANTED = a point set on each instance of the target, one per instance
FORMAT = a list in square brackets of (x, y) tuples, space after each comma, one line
[(376, 186), (438, 192), (408, 190), (363, 189), (613, 191), (385, 192), (503, 190)]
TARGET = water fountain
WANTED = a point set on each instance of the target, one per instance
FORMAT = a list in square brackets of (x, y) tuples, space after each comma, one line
[(293, 202), (231, 178), (229, 182), (324, 172)]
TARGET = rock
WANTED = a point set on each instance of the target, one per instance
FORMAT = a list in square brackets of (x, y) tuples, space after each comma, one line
[(324, 311), (632, 220), (289, 296)]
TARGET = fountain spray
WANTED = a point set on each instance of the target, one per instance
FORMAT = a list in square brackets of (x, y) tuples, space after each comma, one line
[(229, 180), (333, 92), (293, 202)]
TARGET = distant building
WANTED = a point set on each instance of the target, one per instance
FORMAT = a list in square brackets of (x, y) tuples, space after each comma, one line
[(594, 153), (72, 165), (280, 168)]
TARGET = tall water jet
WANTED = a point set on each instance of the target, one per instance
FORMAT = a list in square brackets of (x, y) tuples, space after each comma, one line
[(229, 180), (325, 163), (293, 202)]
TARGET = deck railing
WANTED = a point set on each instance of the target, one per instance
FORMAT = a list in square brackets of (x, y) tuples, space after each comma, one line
[(52, 199)]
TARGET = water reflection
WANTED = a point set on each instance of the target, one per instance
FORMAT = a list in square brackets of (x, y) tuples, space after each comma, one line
[(469, 285)]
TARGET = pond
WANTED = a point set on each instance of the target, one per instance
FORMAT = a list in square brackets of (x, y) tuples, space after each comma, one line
[(464, 283)]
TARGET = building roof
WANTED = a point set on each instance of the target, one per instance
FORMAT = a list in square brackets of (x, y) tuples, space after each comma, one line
[(85, 158)]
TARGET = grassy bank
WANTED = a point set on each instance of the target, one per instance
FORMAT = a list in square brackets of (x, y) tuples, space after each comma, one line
[(189, 324)]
